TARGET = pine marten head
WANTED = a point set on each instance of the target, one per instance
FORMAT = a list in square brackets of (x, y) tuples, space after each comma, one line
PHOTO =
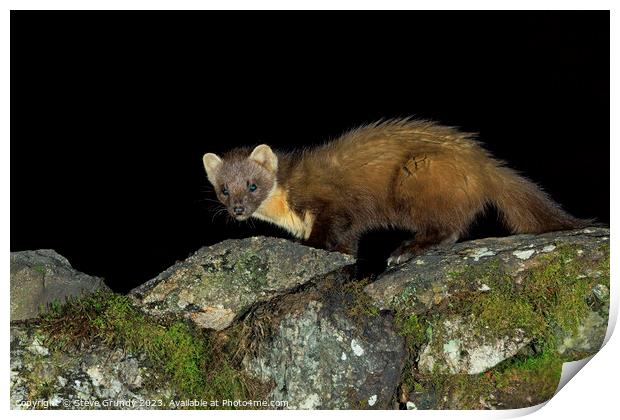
[(241, 181)]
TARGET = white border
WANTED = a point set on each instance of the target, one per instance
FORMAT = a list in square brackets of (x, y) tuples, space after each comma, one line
[(593, 393), (310, 5)]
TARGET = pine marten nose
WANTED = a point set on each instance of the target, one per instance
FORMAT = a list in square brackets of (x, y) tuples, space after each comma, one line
[(239, 210)]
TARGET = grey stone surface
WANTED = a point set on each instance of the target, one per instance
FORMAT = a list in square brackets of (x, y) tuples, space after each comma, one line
[(321, 358), (41, 277), (426, 279), (218, 283)]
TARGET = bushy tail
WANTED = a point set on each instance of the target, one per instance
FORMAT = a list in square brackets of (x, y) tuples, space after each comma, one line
[(525, 208)]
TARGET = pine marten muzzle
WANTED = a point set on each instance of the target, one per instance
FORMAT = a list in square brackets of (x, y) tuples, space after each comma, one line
[(411, 175)]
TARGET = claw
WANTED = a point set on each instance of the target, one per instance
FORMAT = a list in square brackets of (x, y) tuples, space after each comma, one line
[(395, 260)]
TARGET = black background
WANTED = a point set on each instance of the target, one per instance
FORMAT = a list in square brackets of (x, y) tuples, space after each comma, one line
[(111, 113)]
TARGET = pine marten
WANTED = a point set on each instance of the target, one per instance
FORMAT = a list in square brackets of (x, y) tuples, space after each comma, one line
[(406, 174)]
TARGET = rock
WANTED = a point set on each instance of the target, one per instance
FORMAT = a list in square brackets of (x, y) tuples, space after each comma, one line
[(322, 353), (320, 345), (490, 322), (427, 279), (484, 324), (98, 378), (483, 295), (587, 339), (317, 355), (461, 349), (219, 283), (41, 277)]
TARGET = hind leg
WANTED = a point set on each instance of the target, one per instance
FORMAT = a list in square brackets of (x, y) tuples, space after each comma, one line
[(422, 241), (439, 196)]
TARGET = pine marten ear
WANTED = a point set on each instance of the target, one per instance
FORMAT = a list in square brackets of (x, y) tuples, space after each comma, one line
[(264, 156), (212, 163)]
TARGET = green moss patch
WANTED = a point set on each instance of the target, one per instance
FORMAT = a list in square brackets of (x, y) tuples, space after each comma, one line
[(518, 382), (358, 303), (415, 329), (558, 288), (540, 373), (550, 295)]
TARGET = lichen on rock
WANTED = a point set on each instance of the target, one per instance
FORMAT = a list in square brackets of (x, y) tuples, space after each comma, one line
[(480, 309), (319, 356), (221, 282), (464, 349), (483, 324)]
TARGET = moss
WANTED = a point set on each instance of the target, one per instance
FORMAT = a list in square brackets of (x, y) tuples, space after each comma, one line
[(546, 362), (417, 331), (38, 376), (559, 286), (40, 269), (510, 384), (489, 272), (536, 376), (505, 313), (465, 392), (552, 294), (358, 303), (414, 328), (551, 298), (53, 306), (499, 309), (188, 359)]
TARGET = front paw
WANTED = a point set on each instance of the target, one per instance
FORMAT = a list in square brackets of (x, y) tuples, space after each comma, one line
[(406, 251), (395, 260)]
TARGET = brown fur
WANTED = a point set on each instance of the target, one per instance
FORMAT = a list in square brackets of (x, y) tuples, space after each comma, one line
[(412, 175)]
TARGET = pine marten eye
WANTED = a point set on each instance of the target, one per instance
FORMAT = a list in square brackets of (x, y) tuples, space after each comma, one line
[(225, 191), (252, 187)]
